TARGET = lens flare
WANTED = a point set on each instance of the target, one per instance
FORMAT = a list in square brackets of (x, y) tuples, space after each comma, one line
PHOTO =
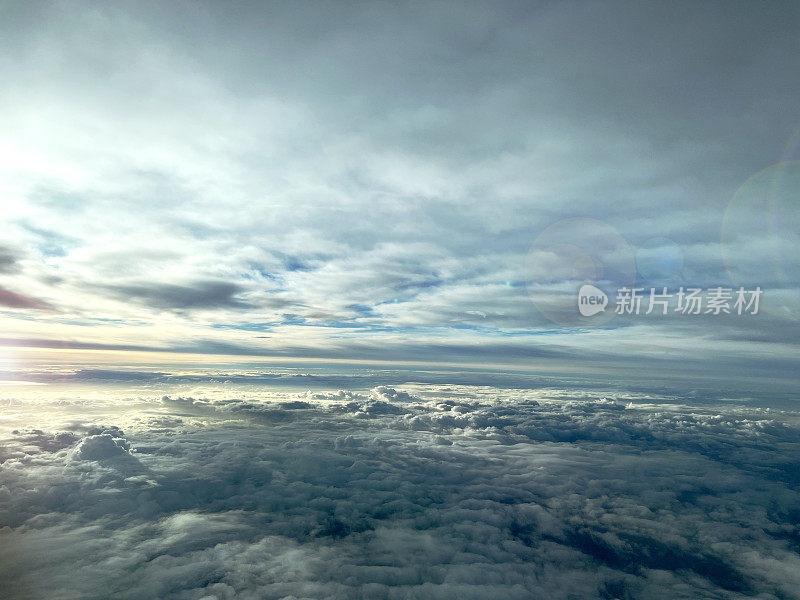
[(761, 237), (659, 261), (573, 253)]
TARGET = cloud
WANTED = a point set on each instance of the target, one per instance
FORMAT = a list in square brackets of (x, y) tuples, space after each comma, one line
[(8, 260), (100, 447), (201, 294), (394, 180), (14, 300), (442, 491)]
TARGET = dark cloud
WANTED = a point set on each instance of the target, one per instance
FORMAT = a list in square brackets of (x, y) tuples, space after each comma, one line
[(8, 260), (195, 295), (15, 300), (67, 344)]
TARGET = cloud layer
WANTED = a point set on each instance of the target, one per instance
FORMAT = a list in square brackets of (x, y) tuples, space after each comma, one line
[(424, 491)]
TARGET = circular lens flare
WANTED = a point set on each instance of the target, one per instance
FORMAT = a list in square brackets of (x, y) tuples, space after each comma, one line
[(569, 255), (761, 237)]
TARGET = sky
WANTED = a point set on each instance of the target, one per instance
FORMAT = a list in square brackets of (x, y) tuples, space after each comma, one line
[(349, 181), (334, 300)]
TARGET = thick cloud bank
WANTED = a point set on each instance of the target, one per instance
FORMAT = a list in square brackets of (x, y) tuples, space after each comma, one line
[(416, 492)]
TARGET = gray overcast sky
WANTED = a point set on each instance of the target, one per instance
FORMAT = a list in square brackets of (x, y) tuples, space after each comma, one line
[(351, 180)]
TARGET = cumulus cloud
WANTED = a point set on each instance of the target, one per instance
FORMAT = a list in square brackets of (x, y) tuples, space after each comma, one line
[(424, 491), (100, 447)]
